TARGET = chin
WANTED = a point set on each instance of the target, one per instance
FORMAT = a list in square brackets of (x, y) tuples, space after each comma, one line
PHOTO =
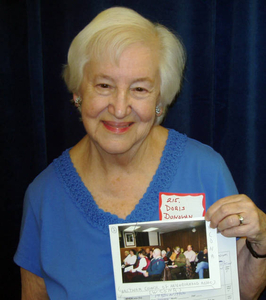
[(116, 151)]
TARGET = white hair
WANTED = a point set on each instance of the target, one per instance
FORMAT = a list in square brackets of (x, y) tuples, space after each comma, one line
[(110, 33)]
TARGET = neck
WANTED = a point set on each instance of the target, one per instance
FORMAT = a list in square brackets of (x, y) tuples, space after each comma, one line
[(92, 156), (96, 157)]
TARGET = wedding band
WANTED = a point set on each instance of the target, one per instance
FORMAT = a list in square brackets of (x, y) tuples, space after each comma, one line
[(241, 220)]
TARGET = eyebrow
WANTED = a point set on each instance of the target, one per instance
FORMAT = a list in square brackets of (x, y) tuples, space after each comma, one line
[(141, 79), (104, 77), (144, 79)]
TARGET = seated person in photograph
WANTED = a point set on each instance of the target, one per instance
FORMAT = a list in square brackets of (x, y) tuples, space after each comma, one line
[(190, 254), (141, 266), (143, 263), (202, 262), (171, 258), (178, 264), (168, 251), (137, 253), (131, 259), (165, 258), (148, 253), (155, 269), (151, 254)]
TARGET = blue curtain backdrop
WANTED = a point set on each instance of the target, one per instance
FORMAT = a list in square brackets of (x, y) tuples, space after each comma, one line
[(221, 104)]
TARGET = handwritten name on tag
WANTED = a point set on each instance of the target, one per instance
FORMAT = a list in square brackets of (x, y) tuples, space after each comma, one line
[(181, 206)]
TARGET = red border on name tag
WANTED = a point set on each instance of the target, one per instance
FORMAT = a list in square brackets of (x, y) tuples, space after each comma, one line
[(182, 195)]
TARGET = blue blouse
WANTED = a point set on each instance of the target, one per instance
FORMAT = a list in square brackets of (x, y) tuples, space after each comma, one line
[(64, 235)]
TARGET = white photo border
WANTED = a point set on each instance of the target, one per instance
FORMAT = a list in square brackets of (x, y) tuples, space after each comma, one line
[(125, 290)]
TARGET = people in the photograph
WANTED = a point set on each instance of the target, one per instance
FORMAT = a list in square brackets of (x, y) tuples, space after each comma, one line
[(168, 251), (148, 253), (130, 260), (137, 253), (151, 254), (164, 256), (202, 262), (141, 266), (143, 263), (171, 258), (190, 254), (190, 261), (178, 264), (155, 270)]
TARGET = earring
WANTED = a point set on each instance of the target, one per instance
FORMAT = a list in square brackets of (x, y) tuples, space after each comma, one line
[(78, 101), (158, 111)]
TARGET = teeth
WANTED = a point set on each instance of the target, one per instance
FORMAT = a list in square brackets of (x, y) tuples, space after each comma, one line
[(118, 125)]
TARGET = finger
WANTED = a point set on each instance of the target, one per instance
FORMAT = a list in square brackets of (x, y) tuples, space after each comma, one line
[(228, 227), (217, 205), (250, 227), (233, 221), (231, 205), (228, 210)]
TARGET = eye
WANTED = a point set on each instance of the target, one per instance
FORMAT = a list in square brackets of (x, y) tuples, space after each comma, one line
[(104, 85), (140, 90), (103, 88)]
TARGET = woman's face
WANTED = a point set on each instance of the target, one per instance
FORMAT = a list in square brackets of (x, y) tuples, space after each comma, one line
[(118, 107), (131, 253)]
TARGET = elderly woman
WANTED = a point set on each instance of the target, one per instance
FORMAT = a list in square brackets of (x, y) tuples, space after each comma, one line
[(123, 72)]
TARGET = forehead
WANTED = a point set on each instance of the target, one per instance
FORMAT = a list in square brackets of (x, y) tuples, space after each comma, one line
[(137, 61)]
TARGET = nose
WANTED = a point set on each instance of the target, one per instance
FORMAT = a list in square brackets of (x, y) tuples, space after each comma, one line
[(120, 105)]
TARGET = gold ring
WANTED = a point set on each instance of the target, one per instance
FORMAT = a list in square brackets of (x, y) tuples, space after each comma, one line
[(241, 220)]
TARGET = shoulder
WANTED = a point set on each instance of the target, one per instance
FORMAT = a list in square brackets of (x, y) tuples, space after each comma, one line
[(198, 150), (192, 151), (203, 158)]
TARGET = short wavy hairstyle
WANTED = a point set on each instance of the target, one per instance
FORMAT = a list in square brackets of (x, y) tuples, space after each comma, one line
[(110, 33)]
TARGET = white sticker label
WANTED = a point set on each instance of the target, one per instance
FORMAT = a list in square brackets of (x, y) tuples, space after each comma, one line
[(181, 206)]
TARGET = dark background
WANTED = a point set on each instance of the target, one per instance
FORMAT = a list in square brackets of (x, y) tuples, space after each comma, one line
[(221, 104)]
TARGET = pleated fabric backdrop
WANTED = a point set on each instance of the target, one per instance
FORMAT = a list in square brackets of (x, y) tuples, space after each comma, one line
[(221, 104)]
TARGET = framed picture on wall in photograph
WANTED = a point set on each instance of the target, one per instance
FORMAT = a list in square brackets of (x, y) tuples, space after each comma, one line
[(129, 239)]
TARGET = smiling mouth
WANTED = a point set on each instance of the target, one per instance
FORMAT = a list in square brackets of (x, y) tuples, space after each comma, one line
[(117, 127)]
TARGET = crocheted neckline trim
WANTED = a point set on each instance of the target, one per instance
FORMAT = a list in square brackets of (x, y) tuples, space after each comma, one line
[(147, 206)]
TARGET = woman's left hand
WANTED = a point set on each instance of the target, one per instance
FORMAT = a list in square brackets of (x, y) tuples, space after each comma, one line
[(226, 213)]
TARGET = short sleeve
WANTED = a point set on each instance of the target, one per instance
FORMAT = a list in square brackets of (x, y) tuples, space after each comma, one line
[(225, 185), (27, 255)]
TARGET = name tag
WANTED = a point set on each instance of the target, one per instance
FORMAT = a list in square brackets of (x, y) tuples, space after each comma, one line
[(181, 206)]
